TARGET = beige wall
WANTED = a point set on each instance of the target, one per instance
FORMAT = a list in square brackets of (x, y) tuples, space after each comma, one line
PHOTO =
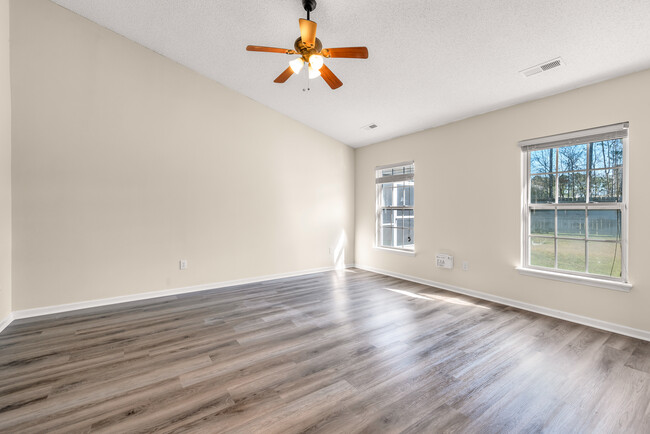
[(126, 162), (458, 163), (5, 164)]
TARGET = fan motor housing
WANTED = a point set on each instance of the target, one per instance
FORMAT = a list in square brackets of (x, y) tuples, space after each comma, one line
[(306, 50)]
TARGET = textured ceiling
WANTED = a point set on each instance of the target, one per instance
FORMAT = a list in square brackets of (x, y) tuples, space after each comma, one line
[(431, 61)]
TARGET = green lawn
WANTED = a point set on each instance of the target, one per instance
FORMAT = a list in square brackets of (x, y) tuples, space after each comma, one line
[(571, 256)]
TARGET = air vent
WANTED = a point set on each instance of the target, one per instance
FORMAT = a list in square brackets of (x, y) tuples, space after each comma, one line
[(551, 64), (370, 127)]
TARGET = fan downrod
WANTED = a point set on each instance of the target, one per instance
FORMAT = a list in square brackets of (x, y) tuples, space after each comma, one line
[(309, 6)]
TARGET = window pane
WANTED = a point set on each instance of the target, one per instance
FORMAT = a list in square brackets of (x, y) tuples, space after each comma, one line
[(395, 226), (408, 237), (542, 161), (572, 158), (408, 193), (387, 237), (387, 217), (571, 255), (399, 219), (573, 187), (571, 223), (605, 224), (387, 195), (408, 224), (542, 222), (542, 189), (605, 258), (399, 233), (542, 252), (407, 218), (399, 186), (608, 153), (606, 185)]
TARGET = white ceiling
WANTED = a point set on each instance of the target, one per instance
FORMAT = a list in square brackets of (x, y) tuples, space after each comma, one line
[(431, 61)]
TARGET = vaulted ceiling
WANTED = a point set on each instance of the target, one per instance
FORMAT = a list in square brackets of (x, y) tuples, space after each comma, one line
[(431, 61)]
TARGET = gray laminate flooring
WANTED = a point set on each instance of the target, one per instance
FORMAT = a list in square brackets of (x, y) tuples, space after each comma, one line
[(341, 352)]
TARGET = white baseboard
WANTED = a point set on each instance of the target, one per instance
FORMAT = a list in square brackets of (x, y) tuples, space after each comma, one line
[(592, 322), (603, 325), (6, 321), (48, 310)]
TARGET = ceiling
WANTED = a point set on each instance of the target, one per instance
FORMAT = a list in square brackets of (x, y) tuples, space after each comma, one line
[(431, 61)]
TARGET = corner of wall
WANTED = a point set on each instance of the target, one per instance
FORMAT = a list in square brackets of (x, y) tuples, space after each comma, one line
[(5, 168)]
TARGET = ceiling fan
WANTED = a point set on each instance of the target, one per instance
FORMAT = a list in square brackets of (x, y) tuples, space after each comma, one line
[(311, 51)]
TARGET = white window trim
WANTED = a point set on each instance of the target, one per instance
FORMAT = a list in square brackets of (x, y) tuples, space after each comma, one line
[(576, 137), (402, 251), (571, 278), (406, 252)]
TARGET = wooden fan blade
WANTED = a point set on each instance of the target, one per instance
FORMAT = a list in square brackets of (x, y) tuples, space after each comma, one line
[(308, 32), (284, 76), (347, 52), (269, 49), (330, 78)]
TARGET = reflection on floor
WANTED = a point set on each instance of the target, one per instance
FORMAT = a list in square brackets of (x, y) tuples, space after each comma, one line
[(334, 352)]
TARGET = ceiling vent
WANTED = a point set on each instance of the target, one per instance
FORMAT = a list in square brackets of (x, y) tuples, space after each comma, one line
[(369, 127), (551, 64)]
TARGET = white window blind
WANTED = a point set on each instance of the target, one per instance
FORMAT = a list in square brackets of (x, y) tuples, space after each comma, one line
[(599, 134), (395, 173)]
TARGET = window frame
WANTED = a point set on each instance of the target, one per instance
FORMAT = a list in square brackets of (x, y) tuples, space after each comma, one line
[(556, 142), (410, 251)]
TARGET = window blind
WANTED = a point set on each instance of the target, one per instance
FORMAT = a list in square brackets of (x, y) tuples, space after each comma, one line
[(599, 134), (395, 173)]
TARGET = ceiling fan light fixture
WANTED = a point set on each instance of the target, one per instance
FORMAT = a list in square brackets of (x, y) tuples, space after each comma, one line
[(311, 51), (316, 61), (296, 65), (313, 73)]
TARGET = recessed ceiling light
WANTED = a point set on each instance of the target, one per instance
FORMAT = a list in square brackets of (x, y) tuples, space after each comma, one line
[(370, 127)]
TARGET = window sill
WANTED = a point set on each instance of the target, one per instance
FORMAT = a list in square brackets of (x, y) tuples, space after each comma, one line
[(398, 251), (581, 280)]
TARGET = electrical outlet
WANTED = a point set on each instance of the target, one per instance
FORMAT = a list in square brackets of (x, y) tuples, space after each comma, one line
[(182, 264), (465, 266)]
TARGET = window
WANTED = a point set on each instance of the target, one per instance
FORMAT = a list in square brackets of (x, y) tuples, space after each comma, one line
[(575, 211), (395, 206)]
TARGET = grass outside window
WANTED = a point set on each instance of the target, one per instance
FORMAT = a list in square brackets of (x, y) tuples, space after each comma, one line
[(576, 208)]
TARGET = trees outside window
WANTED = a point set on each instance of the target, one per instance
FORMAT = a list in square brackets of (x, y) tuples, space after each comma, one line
[(575, 214)]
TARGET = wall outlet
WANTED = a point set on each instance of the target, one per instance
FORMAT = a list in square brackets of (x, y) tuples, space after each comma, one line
[(182, 264), (465, 266), (444, 261)]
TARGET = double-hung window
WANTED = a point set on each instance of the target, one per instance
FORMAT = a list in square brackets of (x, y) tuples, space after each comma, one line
[(575, 207), (395, 217)]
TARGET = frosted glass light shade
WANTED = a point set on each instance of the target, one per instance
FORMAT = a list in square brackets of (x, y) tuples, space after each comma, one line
[(296, 65), (316, 61), (313, 73)]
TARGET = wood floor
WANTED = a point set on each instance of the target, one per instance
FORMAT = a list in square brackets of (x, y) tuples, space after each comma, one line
[(334, 352)]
